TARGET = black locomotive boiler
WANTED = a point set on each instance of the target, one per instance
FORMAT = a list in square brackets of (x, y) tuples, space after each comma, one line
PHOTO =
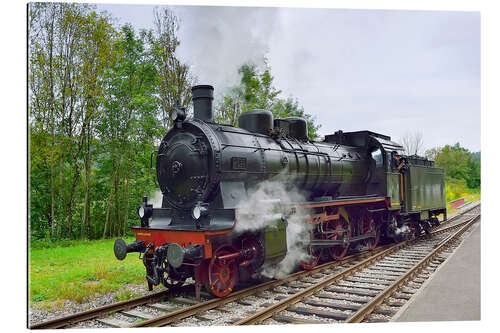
[(354, 188)]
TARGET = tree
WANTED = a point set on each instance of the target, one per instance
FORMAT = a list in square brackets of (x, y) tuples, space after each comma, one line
[(129, 124), (455, 160), (474, 179), (230, 108), (42, 110), (56, 39), (412, 143), (290, 107), (256, 91), (432, 153), (97, 57), (459, 164), (174, 80), (97, 100)]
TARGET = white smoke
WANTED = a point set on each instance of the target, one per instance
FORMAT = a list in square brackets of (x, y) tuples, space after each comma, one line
[(216, 41), (404, 229), (297, 233), (265, 206), (156, 199), (264, 202)]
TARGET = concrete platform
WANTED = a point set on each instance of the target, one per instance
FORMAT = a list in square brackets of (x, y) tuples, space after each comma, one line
[(454, 291)]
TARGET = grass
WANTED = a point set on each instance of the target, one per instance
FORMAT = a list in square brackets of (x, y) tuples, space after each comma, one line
[(456, 190), (80, 271)]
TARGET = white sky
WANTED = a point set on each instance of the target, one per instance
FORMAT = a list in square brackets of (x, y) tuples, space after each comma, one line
[(389, 71)]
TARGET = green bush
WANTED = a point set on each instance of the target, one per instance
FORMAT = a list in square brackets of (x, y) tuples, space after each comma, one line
[(456, 189)]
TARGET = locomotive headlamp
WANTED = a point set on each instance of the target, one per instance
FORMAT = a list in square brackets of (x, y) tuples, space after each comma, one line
[(198, 210), (145, 211), (196, 213), (140, 212)]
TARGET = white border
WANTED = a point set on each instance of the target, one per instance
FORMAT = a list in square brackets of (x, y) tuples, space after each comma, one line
[(13, 133)]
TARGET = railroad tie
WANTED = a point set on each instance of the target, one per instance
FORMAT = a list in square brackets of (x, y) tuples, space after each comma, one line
[(388, 268), (366, 280), (184, 301), (112, 322), (202, 317), (137, 314), (340, 306), (294, 320), (352, 290), (163, 307), (245, 302), (319, 313), (342, 297), (388, 278), (363, 287)]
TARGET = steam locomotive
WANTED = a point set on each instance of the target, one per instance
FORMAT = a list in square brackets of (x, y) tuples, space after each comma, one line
[(215, 225)]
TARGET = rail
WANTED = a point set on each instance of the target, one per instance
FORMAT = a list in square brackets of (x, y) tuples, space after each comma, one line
[(361, 313)]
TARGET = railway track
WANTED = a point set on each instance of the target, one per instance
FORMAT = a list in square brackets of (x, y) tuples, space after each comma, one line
[(377, 279), (363, 283), (149, 300)]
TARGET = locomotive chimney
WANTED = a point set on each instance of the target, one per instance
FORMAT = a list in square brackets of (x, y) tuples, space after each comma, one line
[(203, 96)]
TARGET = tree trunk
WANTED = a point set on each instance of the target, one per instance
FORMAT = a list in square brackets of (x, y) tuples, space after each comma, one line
[(116, 205), (52, 121), (127, 203), (60, 185), (108, 209), (71, 200), (52, 185), (86, 212), (76, 174)]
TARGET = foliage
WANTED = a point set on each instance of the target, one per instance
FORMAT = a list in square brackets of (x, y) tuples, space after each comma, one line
[(98, 95), (459, 189), (128, 129), (173, 80), (459, 165), (432, 153), (256, 91), (462, 170)]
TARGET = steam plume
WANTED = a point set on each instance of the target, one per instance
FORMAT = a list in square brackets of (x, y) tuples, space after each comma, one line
[(156, 199), (216, 41), (263, 208)]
